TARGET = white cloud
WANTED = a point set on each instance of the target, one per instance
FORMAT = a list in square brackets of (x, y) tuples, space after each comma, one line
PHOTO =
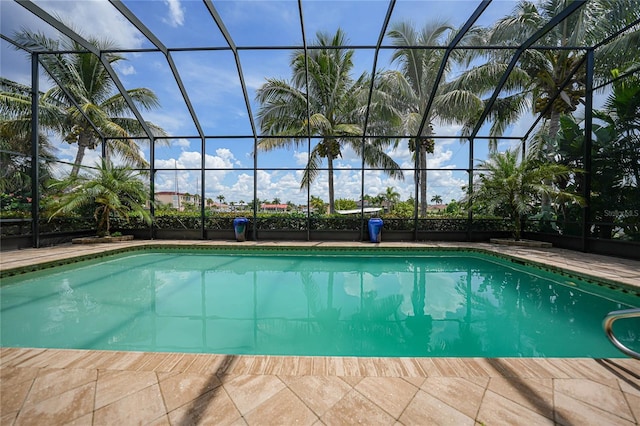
[(82, 17), (301, 158), (176, 13), (124, 69), (182, 143)]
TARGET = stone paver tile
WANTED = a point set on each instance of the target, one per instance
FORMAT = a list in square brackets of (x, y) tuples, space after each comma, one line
[(535, 394), (498, 410), (319, 393), (8, 418), (630, 386), (570, 411), (415, 381), (35, 359), (114, 385), (460, 393), (634, 405), (290, 365), (141, 407), (60, 408), (242, 365), (595, 394), (425, 409), (320, 366), (12, 396), (221, 365), (578, 368), (247, 392), (259, 365), (62, 358), (629, 368), (367, 367), (356, 409), (181, 365), (212, 408), (412, 366), (335, 366), (393, 367), (169, 362), (160, 421), (305, 366), (429, 368), (11, 376), (274, 365), (351, 366), (86, 420), (351, 380), (52, 382), (392, 394), (282, 408), (182, 388)]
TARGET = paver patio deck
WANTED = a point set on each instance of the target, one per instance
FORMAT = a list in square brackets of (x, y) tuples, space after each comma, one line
[(54, 386)]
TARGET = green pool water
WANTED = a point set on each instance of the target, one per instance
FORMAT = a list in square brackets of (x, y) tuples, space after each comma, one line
[(408, 303)]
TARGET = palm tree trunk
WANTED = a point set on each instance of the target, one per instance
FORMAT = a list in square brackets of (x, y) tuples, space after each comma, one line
[(85, 140), (518, 225), (331, 195), (78, 161)]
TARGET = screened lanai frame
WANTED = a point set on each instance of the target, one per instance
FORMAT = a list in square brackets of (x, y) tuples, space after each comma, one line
[(235, 50)]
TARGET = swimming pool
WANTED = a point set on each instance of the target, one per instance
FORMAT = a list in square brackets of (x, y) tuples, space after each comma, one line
[(313, 302)]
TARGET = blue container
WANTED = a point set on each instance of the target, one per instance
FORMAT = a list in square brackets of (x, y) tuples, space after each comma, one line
[(375, 230), (240, 228)]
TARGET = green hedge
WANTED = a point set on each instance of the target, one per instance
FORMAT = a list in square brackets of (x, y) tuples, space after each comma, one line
[(172, 220)]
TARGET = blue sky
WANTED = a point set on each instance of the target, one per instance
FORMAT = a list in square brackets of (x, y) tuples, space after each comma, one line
[(213, 86)]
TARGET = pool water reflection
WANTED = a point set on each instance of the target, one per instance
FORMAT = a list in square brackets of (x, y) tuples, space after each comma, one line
[(454, 304)]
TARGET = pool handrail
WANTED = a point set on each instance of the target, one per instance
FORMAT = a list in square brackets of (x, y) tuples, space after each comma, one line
[(607, 324)]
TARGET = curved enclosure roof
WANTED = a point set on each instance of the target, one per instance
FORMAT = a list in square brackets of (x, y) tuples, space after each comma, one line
[(205, 59)]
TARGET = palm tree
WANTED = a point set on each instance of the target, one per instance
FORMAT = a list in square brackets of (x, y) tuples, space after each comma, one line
[(436, 199), (115, 191), (513, 188), (390, 196), (220, 198), (317, 204), (86, 79), (548, 69), (15, 142), (335, 103), (15, 138), (455, 101)]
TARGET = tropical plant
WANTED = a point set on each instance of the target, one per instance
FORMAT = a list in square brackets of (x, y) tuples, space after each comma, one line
[(346, 204), (15, 143), (455, 100), (513, 188), (548, 69), (317, 204), (332, 109), (113, 191), (84, 77), (615, 160), (436, 199), (390, 197)]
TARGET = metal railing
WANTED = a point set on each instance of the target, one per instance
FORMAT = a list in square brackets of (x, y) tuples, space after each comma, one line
[(607, 324)]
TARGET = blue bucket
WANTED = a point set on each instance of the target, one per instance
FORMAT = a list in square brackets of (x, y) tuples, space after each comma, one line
[(375, 230), (240, 228)]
